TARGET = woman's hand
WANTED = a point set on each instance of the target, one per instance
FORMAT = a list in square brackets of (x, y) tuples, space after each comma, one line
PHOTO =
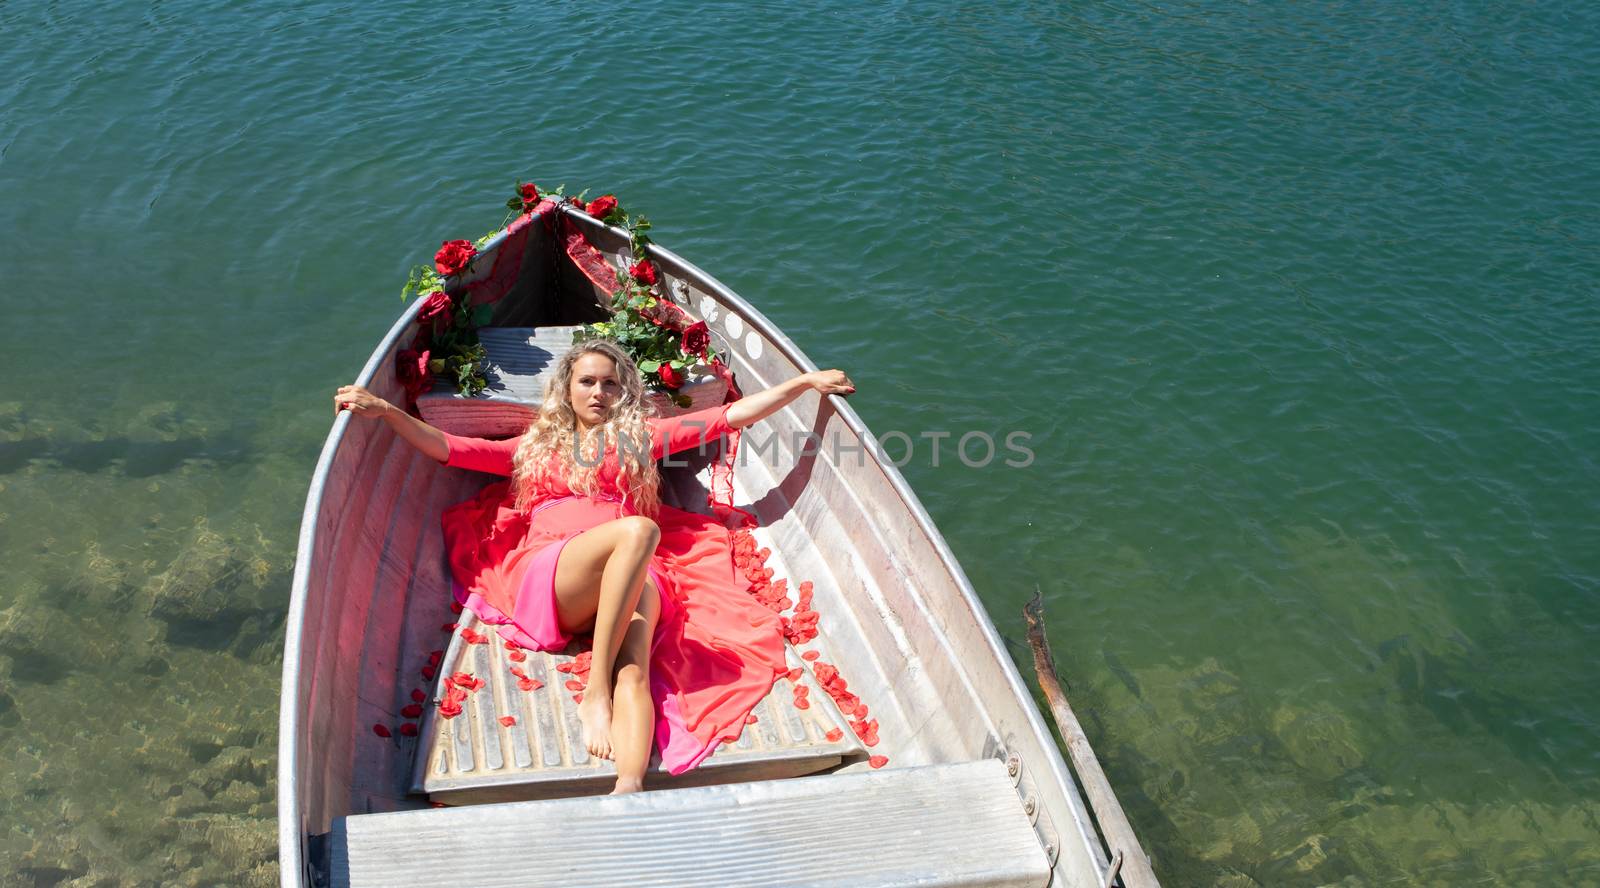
[(359, 401), (417, 433), (831, 382), (759, 406)]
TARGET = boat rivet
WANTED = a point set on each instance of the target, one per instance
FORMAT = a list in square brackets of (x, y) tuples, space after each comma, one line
[(1027, 807), (1050, 850), (1013, 765)]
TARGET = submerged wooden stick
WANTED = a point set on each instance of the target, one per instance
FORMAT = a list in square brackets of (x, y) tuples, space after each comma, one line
[(1136, 871)]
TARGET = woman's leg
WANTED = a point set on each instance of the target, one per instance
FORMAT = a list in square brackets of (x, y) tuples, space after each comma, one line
[(634, 722), (599, 578)]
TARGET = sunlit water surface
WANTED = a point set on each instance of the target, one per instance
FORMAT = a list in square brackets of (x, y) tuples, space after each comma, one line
[(1296, 301)]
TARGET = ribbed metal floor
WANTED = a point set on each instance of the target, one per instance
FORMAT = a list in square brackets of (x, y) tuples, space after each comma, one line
[(941, 825), (475, 758)]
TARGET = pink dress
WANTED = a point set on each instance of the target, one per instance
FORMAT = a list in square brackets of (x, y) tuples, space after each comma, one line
[(716, 650)]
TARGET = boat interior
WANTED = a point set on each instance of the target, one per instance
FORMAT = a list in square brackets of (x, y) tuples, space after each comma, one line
[(957, 783)]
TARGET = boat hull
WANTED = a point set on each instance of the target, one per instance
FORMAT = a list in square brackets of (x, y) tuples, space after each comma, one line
[(899, 616)]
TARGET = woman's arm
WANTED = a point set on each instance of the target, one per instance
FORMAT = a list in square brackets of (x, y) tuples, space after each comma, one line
[(759, 406), (417, 433)]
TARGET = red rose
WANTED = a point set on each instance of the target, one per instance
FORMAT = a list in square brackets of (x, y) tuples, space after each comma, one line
[(453, 256), (672, 379), (643, 272), (602, 206), (697, 339), (437, 307), (529, 193), (411, 369)]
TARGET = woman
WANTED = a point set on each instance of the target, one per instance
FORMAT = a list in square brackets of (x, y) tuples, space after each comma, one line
[(578, 542)]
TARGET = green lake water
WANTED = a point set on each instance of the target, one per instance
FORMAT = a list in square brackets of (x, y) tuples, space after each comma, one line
[(1296, 301)]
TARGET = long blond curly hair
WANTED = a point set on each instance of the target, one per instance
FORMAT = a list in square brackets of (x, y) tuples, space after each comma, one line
[(550, 444)]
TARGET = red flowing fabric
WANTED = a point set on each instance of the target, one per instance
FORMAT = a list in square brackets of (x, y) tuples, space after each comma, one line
[(716, 650)]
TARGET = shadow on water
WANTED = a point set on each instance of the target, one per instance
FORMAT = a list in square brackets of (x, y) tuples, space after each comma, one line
[(135, 458)]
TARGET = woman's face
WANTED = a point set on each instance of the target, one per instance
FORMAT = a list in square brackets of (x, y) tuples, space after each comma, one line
[(594, 388)]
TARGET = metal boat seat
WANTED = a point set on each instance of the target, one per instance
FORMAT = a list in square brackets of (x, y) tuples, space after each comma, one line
[(521, 360), (936, 825), (520, 363)]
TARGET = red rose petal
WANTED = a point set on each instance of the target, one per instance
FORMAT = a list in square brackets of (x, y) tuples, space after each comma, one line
[(878, 761), (428, 672), (563, 667), (870, 739), (411, 710), (449, 627), (517, 656), (508, 720), (455, 607), (802, 703), (449, 710), (572, 685), (517, 671), (795, 674), (461, 678), (418, 695), (381, 730), (834, 735), (577, 698), (409, 729), (749, 719), (512, 646), (810, 655), (434, 657)]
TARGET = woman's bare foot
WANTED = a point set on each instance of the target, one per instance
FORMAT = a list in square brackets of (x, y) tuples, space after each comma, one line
[(624, 787), (594, 713)]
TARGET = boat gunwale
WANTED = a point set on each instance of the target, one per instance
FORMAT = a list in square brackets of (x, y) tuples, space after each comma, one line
[(291, 838)]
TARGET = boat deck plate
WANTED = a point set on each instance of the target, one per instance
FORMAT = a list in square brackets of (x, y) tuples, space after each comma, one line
[(474, 757)]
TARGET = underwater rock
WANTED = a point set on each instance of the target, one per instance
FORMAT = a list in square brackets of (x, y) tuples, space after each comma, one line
[(214, 586), (1315, 860), (235, 764), (188, 802), (25, 632), (1319, 739)]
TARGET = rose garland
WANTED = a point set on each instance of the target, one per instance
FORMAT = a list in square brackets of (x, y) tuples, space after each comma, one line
[(657, 334)]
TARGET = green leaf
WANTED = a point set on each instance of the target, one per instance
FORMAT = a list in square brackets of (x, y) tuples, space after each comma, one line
[(649, 366), (481, 314)]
